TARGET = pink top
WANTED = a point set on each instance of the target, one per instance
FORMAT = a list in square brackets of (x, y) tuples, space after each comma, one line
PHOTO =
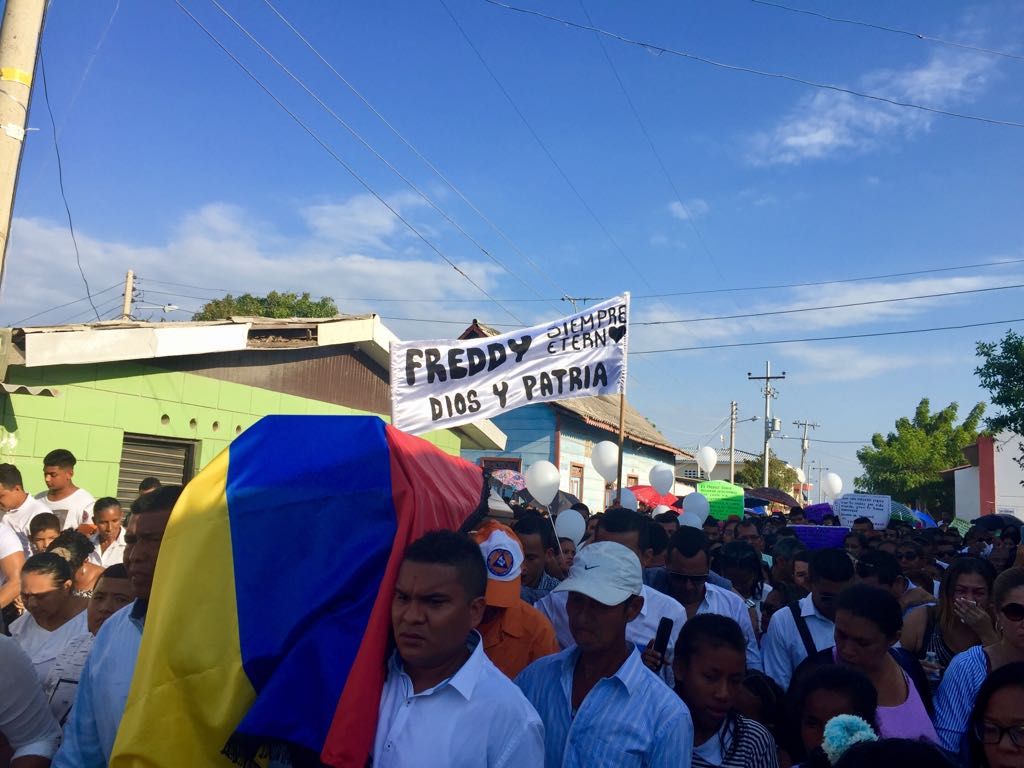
[(909, 720)]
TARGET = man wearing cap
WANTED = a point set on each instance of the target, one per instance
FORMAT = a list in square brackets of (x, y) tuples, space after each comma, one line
[(600, 705), (515, 633), (629, 529)]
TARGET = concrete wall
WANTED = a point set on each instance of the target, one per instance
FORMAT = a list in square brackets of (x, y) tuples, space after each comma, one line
[(1009, 491), (967, 493), (97, 404)]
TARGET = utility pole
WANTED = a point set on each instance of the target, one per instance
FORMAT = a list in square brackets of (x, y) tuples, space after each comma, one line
[(805, 444), (129, 288), (733, 413), (19, 44), (820, 470), (769, 393)]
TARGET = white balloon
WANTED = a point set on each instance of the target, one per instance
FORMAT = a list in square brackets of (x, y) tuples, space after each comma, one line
[(663, 508), (800, 476), (628, 500), (662, 478), (707, 459), (570, 525), (690, 519), (697, 503), (542, 480), (605, 458), (832, 484)]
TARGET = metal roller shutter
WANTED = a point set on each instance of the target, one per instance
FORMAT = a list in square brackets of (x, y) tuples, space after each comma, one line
[(172, 462)]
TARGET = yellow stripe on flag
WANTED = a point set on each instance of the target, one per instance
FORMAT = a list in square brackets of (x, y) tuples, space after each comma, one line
[(189, 691)]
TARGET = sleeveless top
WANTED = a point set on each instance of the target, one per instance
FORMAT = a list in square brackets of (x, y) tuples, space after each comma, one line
[(908, 720), (933, 640)]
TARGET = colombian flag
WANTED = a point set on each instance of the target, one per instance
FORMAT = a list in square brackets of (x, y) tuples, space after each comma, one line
[(270, 614)]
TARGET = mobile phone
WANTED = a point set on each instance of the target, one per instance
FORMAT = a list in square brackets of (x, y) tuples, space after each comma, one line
[(664, 632)]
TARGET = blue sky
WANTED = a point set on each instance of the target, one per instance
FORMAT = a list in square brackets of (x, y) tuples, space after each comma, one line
[(179, 166)]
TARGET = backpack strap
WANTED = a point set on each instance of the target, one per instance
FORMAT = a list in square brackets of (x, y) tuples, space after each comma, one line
[(802, 628)]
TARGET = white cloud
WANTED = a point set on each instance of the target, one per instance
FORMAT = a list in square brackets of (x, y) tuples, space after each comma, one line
[(348, 250), (853, 363), (827, 123), (694, 208)]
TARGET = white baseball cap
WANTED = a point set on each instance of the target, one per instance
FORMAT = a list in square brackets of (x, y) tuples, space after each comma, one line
[(503, 557), (605, 571)]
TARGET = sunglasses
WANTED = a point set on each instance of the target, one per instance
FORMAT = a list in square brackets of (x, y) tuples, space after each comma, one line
[(990, 733), (1013, 611), (696, 578)]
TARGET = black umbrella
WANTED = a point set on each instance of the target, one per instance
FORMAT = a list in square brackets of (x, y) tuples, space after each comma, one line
[(561, 502), (758, 497), (997, 522)]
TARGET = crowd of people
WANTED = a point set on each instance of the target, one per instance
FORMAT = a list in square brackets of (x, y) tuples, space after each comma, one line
[(645, 644)]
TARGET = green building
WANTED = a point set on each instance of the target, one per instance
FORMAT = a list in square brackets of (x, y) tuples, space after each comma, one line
[(134, 399)]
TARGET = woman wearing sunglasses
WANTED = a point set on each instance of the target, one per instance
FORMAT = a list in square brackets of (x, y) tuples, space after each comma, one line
[(968, 670), (997, 722)]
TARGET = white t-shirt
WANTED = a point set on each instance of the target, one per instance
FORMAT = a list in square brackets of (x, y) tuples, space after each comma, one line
[(9, 545), (25, 720), (19, 520), (42, 646), (73, 510)]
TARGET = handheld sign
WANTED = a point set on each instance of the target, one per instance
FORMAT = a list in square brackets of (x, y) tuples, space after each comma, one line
[(440, 384), (725, 498), (875, 507)]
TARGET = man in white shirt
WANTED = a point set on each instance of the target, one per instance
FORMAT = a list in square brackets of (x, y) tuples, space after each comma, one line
[(444, 703), (73, 505), (12, 557), (107, 516), (629, 529), (19, 508), (794, 634), (688, 566)]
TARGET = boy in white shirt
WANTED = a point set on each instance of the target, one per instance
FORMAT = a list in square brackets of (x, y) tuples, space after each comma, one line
[(73, 505)]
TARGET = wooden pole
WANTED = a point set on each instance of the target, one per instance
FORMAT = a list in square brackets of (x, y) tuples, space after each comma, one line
[(622, 443)]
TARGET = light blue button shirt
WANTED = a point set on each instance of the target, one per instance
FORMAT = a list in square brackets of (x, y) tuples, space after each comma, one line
[(631, 719), (782, 649), (729, 604), (102, 692), (475, 718)]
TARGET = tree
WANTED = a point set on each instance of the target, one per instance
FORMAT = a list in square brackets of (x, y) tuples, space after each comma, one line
[(905, 464), (780, 474), (1002, 374), (274, 304)]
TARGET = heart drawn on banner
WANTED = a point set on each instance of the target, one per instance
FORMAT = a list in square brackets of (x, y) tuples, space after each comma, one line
[(617, 332)]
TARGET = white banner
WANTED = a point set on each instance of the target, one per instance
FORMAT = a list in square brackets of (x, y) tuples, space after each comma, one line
[(875, 507), (440, 384)]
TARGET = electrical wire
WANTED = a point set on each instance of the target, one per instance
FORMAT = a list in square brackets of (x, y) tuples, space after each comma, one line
[(451, 185), (103, 307), (544, 147), (759, 72), (17, 323), (819, 440), (338, 159), (894, 30), (832, 306), (829, 338), (358, 137), (60, 181)]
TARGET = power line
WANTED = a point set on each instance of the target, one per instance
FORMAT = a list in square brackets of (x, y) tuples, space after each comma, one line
[(17, 323), (819, 440), (337, 158), (60, 181), (451, 185), (894, 30), (833, 306), (830, 338), (544, 148), (103, 307), (355, 134), (759, 72)]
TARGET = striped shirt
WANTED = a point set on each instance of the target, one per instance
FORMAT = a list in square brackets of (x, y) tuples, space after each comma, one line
[(739, 743), (544, 586), (955, 698), (631, 719)]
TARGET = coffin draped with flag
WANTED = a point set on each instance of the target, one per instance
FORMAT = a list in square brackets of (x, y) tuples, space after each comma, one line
[(270, 614)]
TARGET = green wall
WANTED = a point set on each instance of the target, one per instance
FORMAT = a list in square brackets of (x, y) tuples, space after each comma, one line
[(97, 404)]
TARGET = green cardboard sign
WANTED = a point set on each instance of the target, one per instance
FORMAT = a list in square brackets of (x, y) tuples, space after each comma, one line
[(724, 498)]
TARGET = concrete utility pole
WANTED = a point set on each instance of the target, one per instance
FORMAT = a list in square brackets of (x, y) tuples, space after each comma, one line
[(733, 413), (129, 288), (820, 470), (19, 44), (769, 393), (805, 444)]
